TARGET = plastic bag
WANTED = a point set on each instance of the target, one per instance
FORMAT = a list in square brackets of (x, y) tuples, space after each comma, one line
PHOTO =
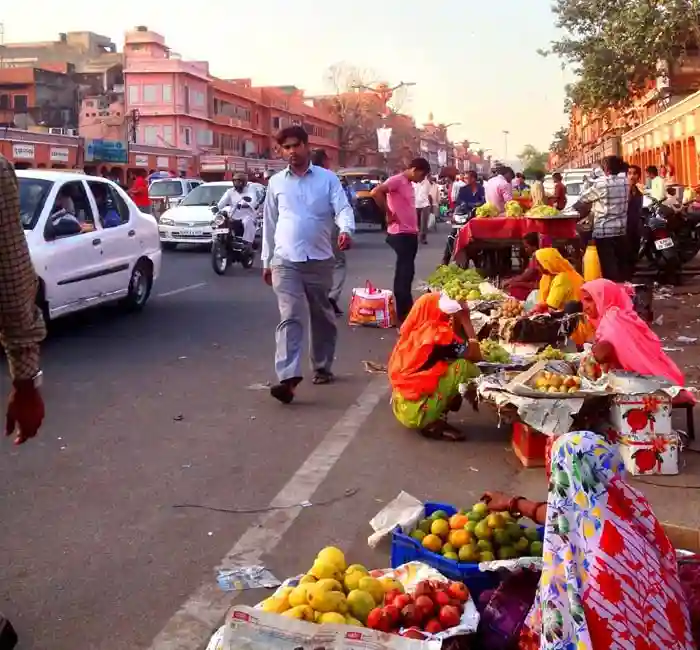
[(405, 511), (531, 300), (591, 264), (372, 307)]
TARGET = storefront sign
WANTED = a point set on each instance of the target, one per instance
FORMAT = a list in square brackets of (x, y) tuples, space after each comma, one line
[(114, 151), (59, 154), (141, 160), (162, 162), (23, 151)]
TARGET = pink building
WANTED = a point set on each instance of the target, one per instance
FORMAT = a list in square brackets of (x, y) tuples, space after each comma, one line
[(103, 117), (171, 95)]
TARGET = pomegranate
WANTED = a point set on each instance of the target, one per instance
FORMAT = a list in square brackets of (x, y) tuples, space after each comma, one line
[(442, 598), (390, 596), (410, 616), (401, 601), (393, 613), (424, 588), (378, 619), (413, 633), (459, 591), (425, 606), (449, 616), (433, 626)]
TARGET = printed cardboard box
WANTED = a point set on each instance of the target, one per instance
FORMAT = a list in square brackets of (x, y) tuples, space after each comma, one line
[(658, 454), (639, 416)]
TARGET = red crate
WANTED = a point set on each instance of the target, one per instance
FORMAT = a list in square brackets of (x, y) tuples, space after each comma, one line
[(529, 445)]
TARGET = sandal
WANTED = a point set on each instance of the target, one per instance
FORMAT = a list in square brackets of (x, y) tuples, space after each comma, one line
[(441, 430), (323, 377), (284, 391)]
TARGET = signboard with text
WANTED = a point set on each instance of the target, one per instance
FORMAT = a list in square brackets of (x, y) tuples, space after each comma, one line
[(59, 154), (140, 160), (114, 151), (23, 151)]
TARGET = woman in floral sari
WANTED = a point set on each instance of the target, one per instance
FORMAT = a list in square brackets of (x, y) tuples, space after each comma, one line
[(610, 578), (429, 362)]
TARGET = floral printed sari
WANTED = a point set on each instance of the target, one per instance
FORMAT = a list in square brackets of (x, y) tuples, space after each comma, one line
[(610, 579)]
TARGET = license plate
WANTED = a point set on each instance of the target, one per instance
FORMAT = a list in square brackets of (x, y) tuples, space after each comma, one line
[(219, 231), (191, 232), (663, 244)]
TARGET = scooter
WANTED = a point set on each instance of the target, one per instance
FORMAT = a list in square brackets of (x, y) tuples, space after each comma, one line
[(657, 245), (228, 245), (460, 217)]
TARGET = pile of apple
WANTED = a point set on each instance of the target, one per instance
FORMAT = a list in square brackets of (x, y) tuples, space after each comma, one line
[(433, 607)]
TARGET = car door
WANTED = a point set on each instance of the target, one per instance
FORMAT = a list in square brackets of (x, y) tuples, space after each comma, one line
[(70, 263), (118, 233)]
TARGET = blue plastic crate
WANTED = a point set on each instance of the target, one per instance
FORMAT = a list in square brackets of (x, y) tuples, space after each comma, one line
[(406, 549)]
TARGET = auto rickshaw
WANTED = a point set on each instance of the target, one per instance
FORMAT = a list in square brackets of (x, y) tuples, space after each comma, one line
[(361, 181)]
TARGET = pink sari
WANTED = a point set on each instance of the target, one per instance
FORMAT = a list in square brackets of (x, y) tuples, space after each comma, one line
[(637, 348)]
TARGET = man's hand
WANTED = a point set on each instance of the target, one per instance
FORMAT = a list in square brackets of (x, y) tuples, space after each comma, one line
[(496, 501), (344, 241), (25, 411), (267, 277)]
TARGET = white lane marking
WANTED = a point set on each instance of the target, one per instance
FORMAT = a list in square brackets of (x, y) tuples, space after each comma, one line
[(174, 292), (193, 624)]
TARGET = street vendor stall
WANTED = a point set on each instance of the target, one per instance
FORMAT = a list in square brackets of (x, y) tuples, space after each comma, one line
[(503, 233)]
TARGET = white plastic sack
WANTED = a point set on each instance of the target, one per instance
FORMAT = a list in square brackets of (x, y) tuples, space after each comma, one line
[(405, 511)]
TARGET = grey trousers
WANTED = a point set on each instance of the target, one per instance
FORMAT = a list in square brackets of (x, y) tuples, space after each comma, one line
[(423, 220), (340, 271), (301, 288)]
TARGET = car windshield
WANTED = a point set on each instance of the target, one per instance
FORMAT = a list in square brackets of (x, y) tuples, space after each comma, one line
[(205, 194), (165, 188), (32, 195)]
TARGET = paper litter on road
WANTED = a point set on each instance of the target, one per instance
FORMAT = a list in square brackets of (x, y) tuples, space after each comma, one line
[(686, 339), (374, 367), (246, 577)]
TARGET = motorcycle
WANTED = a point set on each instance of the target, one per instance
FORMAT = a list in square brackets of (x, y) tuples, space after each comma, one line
[(657, 245), (460, 217), (228, 246)]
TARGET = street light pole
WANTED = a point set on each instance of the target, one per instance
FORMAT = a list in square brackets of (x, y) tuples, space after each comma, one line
[(505, 140)]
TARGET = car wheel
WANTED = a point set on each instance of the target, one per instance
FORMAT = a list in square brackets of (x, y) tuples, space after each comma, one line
[(168, 245), (140, 286)]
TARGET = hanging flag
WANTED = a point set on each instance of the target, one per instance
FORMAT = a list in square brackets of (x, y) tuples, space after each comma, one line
[(384, 140), (442, 157)]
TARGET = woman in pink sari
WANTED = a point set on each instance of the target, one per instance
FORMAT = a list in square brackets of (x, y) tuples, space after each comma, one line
[(622, 339)]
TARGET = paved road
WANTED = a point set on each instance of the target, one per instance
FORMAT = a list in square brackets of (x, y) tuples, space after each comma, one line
[(168, 407)]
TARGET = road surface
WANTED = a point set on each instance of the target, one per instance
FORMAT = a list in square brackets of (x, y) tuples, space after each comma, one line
[(170, 407)]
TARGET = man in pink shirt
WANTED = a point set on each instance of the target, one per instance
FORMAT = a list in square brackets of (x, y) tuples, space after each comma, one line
[(499, 189), (397, 199)]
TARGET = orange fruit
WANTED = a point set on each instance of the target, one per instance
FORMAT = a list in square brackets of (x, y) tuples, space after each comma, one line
[(458, 521), (440, 527), (432, 543), (459, 538)]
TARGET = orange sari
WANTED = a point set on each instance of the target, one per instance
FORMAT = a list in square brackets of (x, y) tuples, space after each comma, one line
[(425, 327)]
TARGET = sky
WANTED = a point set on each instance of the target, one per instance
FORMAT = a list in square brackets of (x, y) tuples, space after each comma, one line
[(474, 63)]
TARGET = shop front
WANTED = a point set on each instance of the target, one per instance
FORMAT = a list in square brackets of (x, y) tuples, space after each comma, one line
[(29, 150), (668, 141), (220, 168)]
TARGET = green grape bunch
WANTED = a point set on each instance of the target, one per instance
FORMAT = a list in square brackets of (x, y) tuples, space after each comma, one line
[(492, 352)]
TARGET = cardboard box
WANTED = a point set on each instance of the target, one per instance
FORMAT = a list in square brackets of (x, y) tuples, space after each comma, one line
[(638, 417), (657, 454)]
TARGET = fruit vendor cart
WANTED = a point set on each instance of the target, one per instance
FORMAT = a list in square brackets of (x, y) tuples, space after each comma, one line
[(504, 235)]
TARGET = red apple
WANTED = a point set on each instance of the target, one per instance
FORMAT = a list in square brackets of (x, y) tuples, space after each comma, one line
[(459, 591), (413, 633), (378, 619), (433, 626), (449, 616), (425, 606), (394, 614), (441, 598), (410, 616)]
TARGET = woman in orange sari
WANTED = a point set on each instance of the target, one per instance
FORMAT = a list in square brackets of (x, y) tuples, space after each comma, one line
[(429, 363)]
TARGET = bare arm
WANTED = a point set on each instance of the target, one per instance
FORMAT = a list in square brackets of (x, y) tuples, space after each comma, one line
[(380, 194), (21, 325)]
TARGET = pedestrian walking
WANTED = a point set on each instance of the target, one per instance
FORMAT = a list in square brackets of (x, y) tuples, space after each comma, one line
[(21, 325), (396, 198), (434, 201), (320, 158), (303, 204), (423, 207)]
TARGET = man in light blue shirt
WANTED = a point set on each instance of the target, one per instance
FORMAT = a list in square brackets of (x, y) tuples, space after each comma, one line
[(303, 205)]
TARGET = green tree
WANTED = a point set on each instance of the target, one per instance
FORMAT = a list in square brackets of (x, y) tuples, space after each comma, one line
[(560, 141), (616, 46), (533, 160)]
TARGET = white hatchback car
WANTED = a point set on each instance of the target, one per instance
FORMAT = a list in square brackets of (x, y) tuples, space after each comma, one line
[(89, 242), (190, 222)]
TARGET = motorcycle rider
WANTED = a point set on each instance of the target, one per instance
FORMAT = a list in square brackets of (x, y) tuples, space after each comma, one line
[(243, 200)]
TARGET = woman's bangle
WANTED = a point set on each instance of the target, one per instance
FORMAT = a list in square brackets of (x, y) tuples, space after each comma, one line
[(513, 507), (473, 340)]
